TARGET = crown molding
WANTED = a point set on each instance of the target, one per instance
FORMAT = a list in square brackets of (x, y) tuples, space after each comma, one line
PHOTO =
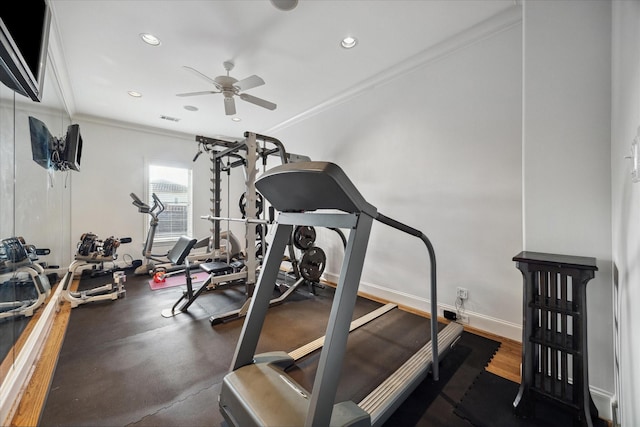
[(488, 28)]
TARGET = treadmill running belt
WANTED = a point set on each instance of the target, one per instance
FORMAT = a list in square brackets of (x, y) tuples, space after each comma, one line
[(374, 351)]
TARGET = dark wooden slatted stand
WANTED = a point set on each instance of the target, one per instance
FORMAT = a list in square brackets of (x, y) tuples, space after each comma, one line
[(555, 366)]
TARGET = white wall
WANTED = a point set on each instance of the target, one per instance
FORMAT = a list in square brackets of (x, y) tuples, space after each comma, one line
[(566, 143), (626, 206), (438, 148)]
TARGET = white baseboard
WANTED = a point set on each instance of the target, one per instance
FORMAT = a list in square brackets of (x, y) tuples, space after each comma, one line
[(479, 321), (603, 400)]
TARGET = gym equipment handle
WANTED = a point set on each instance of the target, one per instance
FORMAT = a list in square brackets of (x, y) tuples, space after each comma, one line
[(432, 257)]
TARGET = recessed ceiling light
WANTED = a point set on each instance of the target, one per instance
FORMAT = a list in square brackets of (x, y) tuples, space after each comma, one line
[(134, 94), (349, 42), (150, 39), (285, 5), (190, 108), (236, 119)]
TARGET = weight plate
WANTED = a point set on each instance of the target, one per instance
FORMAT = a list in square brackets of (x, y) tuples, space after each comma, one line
[(312, 264), (303, 237), (259, 228), (261, 249), (242, 203)]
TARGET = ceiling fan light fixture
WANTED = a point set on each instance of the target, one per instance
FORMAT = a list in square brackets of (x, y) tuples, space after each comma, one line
[(236, 119), (150, 39), (191, 108), (349, 42), (230, 88), (134, 94)]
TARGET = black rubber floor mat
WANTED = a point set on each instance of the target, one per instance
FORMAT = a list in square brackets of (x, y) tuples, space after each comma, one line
[(489, 403), (433, 402)]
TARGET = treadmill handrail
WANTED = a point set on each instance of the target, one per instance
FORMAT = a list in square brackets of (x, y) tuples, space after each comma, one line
[(433, 297)]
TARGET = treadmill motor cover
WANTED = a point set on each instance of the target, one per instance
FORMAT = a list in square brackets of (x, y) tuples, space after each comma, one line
[(309, 186)]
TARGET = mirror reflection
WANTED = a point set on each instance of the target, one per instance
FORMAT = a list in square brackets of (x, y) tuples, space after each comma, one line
[(34, 211)]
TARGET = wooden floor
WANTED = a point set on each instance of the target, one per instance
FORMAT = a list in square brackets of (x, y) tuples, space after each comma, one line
[(505, 363)]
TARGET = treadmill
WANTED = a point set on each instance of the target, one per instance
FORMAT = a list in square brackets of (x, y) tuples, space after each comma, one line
[(257, 391)]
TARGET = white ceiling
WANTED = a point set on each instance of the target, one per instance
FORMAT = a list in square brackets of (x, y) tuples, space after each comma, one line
[(296, 52)]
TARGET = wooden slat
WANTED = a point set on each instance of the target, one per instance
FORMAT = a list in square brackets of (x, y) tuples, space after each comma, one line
[(30, 406), (318, 343)]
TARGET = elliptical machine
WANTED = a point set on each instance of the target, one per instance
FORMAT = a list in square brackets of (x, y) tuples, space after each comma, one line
[(153, 211)]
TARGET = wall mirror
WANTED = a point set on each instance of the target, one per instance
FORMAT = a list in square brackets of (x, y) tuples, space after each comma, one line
[(35, 207)]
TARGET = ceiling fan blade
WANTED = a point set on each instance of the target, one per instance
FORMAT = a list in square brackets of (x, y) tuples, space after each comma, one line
[(249, 82), (202, 76), (229, 106), (204, 92), (258, 101)]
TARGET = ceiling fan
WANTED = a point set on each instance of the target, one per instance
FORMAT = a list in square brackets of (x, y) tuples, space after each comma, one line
[(230, 87)]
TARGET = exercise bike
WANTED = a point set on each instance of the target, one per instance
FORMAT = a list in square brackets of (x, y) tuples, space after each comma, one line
[(156, 263), (93, 252), (30, 285)]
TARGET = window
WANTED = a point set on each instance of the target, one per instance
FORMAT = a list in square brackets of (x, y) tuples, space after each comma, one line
[(173, 188)]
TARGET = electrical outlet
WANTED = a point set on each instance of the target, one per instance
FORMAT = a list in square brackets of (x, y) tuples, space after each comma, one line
[(462, 293), (462, 318), (448, 314)]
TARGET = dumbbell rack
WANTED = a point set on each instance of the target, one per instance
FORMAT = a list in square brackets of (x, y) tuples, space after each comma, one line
[(555, 365)]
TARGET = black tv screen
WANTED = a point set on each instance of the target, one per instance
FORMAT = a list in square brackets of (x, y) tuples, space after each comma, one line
[(73, 147), (24, 42)]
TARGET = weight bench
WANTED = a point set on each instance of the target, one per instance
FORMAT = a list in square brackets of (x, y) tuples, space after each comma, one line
[(216, 268), (178, 256)]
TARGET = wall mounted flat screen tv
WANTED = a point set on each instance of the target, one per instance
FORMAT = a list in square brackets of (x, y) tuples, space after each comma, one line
[(24, 42), (57, 153)]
